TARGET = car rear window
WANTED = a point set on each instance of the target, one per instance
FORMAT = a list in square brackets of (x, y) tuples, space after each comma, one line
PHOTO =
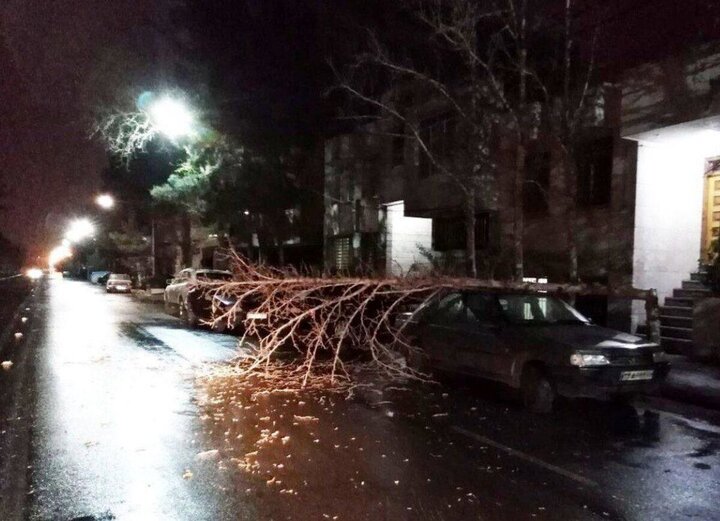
[(119, 276)]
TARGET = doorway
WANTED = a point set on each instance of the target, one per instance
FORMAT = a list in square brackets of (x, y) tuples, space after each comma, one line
[(711, 208)]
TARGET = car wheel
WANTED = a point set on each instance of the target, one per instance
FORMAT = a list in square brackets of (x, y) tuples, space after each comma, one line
[(538, 393), (188, 315), (416, 360), (220, 327), (168, 307)]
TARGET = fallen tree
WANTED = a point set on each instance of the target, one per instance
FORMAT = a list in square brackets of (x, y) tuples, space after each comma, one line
[(329, 321)]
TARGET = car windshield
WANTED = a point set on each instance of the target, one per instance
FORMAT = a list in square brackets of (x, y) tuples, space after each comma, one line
[(538, 309), (120, 276), (213, 275)]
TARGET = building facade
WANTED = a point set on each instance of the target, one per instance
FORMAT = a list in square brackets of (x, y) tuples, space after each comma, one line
[(644, 210)]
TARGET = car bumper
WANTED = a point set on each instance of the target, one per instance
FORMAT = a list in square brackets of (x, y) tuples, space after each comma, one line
[(606, 382)]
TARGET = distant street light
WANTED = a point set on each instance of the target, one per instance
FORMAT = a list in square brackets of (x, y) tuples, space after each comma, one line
[(58, 254), (105, 201), (172, 117), (79, 230)]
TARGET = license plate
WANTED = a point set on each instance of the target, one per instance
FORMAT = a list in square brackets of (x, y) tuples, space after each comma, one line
[(631, 376), (122, 288)]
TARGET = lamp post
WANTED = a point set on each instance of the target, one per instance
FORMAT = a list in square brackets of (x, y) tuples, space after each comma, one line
[(108, 202)]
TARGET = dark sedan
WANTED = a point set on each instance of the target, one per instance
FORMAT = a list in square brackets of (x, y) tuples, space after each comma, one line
[(533, 342)]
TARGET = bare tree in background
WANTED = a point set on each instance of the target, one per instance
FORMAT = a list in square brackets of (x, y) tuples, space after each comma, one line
[(502, 77)]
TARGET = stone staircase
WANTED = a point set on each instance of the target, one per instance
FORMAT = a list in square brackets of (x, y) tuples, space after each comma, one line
[(676, 315)]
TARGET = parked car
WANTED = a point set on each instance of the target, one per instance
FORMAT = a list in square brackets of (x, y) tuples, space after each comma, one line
[(118, 283), (532, 342), (183, 297)]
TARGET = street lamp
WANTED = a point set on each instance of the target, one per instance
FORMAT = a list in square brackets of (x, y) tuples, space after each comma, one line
[(58, 254), (105, 201), (172, 117), (79, 230)]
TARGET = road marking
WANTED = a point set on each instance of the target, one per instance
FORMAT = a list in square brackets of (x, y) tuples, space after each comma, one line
[(526, 457)]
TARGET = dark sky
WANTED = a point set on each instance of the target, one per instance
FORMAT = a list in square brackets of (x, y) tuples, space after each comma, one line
[(55, 64), (60, 59)]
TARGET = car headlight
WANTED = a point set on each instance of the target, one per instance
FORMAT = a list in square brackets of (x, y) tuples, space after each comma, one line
[(586, 359), (659, 356)]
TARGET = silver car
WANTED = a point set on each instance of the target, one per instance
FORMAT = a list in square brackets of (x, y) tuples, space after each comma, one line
[(118, 283), (178, 293)]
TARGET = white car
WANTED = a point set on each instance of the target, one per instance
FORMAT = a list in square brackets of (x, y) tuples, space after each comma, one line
[(118, 283), (177, 293)]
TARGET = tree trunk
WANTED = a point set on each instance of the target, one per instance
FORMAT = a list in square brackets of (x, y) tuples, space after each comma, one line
[(571, 216), (519, 217), (281, 254), (470, 242), (186, 240)]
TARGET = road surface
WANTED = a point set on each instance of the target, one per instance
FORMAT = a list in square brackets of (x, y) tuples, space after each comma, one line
[(109, 421)]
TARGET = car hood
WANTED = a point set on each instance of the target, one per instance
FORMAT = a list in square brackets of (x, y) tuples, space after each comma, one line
[(587, 337)]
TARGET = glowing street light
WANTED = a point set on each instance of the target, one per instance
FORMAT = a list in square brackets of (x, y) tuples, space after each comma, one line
[(172, 117), (105, 201), (79, 230), (58, 254)]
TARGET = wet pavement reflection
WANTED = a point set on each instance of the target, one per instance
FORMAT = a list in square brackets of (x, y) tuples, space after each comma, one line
[(132, 423)]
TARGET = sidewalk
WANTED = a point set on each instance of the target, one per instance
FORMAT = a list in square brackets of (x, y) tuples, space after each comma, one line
[(693, 382)]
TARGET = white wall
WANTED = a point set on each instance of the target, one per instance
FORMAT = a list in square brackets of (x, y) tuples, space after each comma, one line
[(668, 211), (404, 234)]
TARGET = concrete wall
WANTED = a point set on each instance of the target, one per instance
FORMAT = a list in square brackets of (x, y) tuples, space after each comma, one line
[(668, 211), (404, 237)]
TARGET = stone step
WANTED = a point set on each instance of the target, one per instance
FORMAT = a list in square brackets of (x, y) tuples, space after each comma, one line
[(672, 321), (692, 284), (676, 311), (691, 293), (679, 302), (676, 332), (698, 276), (678, 346)]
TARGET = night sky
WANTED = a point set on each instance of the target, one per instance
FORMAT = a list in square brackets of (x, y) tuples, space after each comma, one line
[(55, 64), (61, 59)]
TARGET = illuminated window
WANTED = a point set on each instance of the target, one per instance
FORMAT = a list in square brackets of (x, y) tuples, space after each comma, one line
[(342, 253)]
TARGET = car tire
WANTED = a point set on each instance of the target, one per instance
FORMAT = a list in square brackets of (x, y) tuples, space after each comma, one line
[(538, 392), (188, 315), (220, 327), (417, 360)]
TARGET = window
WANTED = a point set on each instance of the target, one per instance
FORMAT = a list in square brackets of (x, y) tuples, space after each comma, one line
[(448, 233), (448, 310), (537, 182), (437, 134), (535, 309), (341, 248), (594, 169)]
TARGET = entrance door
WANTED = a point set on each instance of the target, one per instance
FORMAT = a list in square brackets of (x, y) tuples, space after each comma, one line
[(711, 210)]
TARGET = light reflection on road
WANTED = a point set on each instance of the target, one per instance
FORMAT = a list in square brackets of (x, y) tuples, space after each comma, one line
[(114, 435)]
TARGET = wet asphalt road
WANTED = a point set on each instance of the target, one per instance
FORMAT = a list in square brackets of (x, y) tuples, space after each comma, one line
[(112, 423)]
